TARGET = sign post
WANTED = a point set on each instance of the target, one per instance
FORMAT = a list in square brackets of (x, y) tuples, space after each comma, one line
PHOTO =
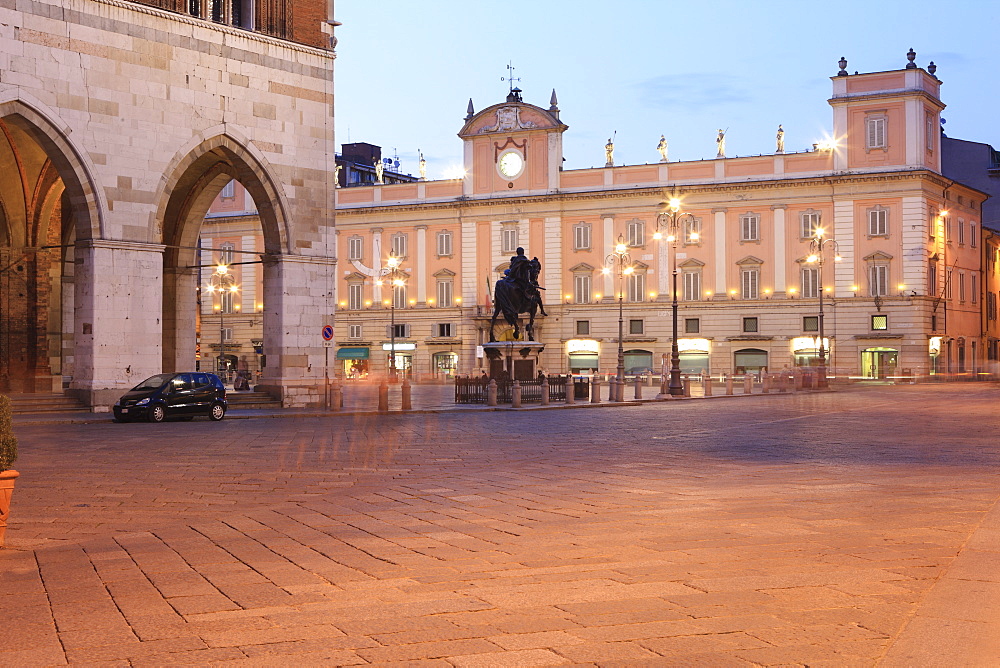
[(327, 344)]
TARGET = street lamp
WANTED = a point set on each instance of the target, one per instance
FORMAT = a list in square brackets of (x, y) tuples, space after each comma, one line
[(395, 281), (669, 221), (224, 283), (818, 245), (620, 259)]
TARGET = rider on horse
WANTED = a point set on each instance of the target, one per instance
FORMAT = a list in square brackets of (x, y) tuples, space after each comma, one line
[(524, 274)]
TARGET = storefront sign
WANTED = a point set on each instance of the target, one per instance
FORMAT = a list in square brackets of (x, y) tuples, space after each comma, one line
[(693, 345), (399, 346), (934, 345), (352, 354), (583, 346), (808, 343)]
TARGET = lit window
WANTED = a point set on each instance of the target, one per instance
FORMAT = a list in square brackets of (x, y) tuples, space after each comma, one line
[(880, 322)]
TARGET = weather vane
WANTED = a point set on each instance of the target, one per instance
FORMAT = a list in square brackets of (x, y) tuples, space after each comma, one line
[(510, 76)]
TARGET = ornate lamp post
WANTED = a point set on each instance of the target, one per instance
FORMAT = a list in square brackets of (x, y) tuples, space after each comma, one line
[(622, 262), (395, 281), (669, 221), (224, 283), (818, 246)]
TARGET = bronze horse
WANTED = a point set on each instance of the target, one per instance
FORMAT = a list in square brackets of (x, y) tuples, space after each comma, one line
[(517, 293)]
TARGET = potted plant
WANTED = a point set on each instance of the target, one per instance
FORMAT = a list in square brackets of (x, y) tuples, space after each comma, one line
[(8, 454)]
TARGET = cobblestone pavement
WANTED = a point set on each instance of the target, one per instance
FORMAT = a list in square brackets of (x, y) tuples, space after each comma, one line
[(850, 528)]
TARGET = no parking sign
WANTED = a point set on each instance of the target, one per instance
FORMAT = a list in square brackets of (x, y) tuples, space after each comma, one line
[(328, 336)]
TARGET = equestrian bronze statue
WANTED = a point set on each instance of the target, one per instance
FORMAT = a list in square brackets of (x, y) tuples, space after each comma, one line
[(518, 292)]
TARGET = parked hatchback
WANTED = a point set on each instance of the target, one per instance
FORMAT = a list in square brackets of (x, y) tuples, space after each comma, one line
[(181, 395)]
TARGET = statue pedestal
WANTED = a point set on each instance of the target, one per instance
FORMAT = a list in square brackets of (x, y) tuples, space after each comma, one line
[(516, 360)]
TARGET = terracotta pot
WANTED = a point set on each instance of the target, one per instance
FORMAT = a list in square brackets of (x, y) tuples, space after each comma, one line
[(6, 489)]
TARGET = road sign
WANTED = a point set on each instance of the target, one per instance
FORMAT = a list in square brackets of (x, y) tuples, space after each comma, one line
[(328, 333)]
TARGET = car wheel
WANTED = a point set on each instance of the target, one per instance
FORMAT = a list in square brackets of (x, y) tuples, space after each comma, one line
[(218, 412), (157, 413)]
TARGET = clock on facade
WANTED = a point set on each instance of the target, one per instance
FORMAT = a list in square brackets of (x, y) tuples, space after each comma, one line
[(510, 164)]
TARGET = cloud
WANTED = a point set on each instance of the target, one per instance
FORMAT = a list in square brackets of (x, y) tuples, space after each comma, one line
[(691, 91)]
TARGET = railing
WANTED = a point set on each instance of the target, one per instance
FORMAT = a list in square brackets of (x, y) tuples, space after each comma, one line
[(474, 390)]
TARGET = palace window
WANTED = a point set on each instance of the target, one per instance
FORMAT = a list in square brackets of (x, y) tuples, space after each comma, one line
[(581, 236), (750, 282), (635, 286), (878, 277), (692, 285), (809, 222), (636, 327), (443, 330), (399, 245), (880, 322), (354, 331), (949, 277), (750, 325), (961, 232), (583, 328), (228, 190), (691, 230), (355, 248), (508, 239), (973, 239), (974, 288), (875, 132), (692, 325), (810, 323), (636, 233), (750, 227), (961, 286), (581, 288), (445, 292), (932, 278), (227, 300), (399, 296), (444, 244), (355, 295), (878, 222), (810, 282)]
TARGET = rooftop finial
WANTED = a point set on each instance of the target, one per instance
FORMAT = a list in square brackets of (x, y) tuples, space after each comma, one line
[(931, 69), (515, 93), (911, 55), (843, 67), (470, 112), (554, 103)]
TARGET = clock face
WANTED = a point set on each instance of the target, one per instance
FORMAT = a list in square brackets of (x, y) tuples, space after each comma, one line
[(510, 164)]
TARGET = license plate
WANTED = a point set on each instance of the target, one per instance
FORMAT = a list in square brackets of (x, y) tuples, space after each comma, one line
[(124, 410)]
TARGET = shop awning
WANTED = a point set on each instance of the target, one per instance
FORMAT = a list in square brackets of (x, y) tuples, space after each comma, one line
[(352, 353)]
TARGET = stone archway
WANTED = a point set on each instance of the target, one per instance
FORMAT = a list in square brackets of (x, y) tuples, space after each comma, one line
[(192, 182), (47, 200)]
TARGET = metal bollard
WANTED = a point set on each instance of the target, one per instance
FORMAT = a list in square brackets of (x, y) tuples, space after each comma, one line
[(687, 386), (405, 395), (748, 384), (708, 384), (766, 383), (515, 394), (595, 391), (638, 387), (570, 390), (383, 397), (729, 384), (545, 391), (491, 393)]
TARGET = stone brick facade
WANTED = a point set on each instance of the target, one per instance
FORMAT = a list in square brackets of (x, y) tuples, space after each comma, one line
[(144, 115)]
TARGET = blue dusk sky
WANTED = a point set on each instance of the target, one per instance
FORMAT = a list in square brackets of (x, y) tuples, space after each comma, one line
[(405, 70)]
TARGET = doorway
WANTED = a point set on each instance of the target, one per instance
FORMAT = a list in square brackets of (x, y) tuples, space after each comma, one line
[(879, 363)]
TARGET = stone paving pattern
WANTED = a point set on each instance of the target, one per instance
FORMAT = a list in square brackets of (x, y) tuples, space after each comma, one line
[(850, 528)]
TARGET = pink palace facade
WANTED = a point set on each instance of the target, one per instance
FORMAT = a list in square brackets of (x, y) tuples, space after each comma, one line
[(906, 296)]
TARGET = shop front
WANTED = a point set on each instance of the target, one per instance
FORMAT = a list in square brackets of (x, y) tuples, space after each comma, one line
[(639, 363), (805, 351), (353, 362), (693, 356), (878, 363), (403, 352), (934, 350), (444, 365), (584, 355), (750, 360)]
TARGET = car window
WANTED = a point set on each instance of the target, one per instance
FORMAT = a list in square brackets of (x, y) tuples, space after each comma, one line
[(154, 382), (201, 380), (182, 382)]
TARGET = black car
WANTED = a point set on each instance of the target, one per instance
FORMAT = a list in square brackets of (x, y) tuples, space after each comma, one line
[(181, 395)]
